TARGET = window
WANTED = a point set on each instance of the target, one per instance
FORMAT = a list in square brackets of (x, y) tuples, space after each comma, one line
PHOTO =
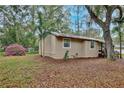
[(92, 44), (67, 43)]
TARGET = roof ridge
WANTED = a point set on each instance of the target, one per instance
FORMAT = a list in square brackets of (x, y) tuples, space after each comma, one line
[(76, 36)]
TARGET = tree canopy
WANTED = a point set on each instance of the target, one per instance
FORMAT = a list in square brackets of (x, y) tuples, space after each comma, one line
[(26, 25)]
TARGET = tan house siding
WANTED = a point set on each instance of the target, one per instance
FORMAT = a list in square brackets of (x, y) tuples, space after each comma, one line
[(49, 46), (91, 52), (76, 48), (53, 47)]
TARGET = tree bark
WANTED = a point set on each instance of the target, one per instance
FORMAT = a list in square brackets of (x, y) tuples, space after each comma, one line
[(109, 45), (78, 25)]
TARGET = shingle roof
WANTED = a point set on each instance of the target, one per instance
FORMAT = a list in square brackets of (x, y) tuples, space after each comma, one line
[(76, 37)]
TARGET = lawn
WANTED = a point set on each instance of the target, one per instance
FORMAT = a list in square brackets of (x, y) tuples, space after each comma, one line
[(122, 55), (17, 71), (34, 71)]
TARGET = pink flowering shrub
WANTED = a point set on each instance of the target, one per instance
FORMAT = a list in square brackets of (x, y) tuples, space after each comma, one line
[(15, 50)]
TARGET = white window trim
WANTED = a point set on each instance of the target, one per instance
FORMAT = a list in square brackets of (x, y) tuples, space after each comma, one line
[(63, 43)]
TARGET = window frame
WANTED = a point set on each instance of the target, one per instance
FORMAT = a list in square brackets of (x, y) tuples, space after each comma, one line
[(92, 42), (64, 42)]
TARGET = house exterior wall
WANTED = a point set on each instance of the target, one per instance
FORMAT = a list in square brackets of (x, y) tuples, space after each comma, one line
[(76, 48), (49, 46), (53, 47), (91, 52)]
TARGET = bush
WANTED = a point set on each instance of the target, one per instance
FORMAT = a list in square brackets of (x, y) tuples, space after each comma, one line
[(15, 50), (116, 54), (1, 49), (31, 51), (66, 55)]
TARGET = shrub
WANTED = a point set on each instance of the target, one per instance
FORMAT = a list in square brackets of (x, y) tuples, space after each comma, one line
[(1, 49), (66, 55), (116, 54), (15, 50)]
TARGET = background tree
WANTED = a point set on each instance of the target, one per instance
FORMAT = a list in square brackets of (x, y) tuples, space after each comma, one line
[(118, 29), (77, 13), (105, 24), (15, 25), (48, 19)]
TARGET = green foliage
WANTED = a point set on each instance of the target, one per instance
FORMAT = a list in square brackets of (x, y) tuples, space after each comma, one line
[(16, 26), (116, 54), (1, 49), (66, 56), (48, 20), (2, 54), (32, 51), (25, 24)]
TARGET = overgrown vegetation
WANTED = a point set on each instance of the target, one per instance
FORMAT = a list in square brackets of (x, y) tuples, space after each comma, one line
[(66, 56)]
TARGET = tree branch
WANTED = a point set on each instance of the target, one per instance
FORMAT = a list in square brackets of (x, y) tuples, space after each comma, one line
[(114, 7), (94, 17), (108, 15), (106, 6), (110, 10)]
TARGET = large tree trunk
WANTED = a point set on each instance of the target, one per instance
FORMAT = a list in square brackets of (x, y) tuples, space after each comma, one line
[(105, 25), (109, 45)]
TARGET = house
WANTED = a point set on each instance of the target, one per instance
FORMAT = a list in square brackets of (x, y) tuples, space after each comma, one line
[(117, 48), (56, 44)]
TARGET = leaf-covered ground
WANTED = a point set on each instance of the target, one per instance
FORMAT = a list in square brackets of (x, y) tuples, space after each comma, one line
[(34, 71)]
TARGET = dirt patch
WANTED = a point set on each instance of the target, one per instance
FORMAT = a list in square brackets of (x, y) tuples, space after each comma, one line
[(79, 73)]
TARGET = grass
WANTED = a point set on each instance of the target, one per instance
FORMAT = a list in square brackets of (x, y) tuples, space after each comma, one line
[(118, 48), (16, 71), (122, 55), (1, 54)]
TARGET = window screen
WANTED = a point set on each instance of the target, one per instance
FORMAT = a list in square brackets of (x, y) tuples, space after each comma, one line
[(67, 42), (92, 44)]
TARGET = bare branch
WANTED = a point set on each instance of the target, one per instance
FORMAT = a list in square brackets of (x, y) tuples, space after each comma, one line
[(120, 10), (94, 17), (106, 6)]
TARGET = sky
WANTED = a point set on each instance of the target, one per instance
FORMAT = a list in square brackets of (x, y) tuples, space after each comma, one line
[(83, 16)]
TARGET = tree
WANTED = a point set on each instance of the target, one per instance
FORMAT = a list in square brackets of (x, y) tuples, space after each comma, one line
[(16, 26), (105, 25), (76, 12), (119, 30), (63, 20), (23, 24), (48, 17)]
